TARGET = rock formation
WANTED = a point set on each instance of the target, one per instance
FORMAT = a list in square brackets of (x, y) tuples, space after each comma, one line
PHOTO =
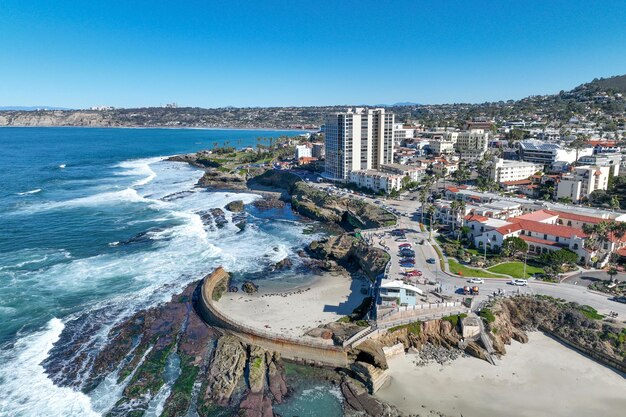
[(235, 206)]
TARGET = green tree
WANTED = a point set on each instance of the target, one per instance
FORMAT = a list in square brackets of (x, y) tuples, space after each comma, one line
[(514, 245), (556, 259)]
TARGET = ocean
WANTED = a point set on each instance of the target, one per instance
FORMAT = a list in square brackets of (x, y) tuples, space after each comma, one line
[(95, 220)]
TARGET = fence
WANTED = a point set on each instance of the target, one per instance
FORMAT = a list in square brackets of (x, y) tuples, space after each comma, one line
[(420, 307), (393, 323)]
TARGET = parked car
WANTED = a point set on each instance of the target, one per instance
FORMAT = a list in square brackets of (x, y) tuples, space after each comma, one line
[(621, 299), (405, 245), (519, 282), (430, 260), (477, 281)]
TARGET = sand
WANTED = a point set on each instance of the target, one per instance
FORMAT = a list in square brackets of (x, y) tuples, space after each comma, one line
[(540, 378), (293, 312)]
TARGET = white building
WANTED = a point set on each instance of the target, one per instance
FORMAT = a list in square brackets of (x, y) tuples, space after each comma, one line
[(582, 181), (549, 153), (442, 146), (303, 151), (611, 160), (504, 170), (471, 144), (376, 180), (359, 139), (413, 172)]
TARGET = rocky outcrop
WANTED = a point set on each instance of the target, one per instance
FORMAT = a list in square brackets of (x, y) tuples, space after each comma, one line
[(338, 331), (350, 213), (268, 203), (226, 369), (578, 325), (249, 287), (281, 180), (216, 179), (276, 377), (235, 206), (358, 402), (281, 265), (370, 351), (350, 251)]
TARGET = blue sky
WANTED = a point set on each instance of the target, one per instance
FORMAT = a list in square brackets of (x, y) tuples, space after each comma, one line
[(278, 53)]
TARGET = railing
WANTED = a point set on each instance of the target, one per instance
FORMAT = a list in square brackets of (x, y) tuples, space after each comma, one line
[(400, 322), (420, 307)]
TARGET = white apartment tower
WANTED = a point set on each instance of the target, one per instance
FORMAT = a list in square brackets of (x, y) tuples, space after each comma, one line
[(359, 139)]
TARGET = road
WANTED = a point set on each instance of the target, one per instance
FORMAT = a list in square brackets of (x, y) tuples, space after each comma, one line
[(451, 285)]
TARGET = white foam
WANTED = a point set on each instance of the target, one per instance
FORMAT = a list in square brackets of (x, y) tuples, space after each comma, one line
[(35, 191), (139, 168), (62, 166), (26, 390)]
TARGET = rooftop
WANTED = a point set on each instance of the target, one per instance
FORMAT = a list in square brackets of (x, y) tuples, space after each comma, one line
[(385, 283)]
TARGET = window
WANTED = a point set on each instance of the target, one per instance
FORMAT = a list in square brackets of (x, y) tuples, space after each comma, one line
[(557, 238), (545, 237)]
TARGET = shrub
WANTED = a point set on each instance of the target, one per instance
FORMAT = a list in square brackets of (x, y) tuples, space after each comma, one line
[(487, 315)]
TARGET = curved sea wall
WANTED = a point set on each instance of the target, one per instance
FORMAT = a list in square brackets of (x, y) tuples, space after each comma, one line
[(299, 350)]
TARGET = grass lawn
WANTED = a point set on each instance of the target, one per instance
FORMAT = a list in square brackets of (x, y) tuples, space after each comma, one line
[(516, 269), (456, 267)]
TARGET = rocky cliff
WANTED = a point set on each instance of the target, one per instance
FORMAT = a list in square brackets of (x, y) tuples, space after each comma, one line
[(577, 324), (350, 251)]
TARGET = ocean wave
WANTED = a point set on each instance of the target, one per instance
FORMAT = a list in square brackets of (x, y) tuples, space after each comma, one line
[(26, 387), (139, 168), (128, 195), (35, 191)]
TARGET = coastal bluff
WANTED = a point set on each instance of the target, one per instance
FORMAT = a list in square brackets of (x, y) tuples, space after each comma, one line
[(297, 350)]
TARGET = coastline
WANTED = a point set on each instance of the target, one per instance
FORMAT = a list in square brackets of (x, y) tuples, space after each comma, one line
[(269, 129)]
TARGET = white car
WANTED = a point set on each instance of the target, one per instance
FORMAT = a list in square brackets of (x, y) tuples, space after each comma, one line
[(477, 281), (519, 282)]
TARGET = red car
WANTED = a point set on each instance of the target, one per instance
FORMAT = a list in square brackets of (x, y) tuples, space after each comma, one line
[(404, 245)]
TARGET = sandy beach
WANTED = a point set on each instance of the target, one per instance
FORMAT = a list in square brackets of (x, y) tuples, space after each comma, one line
[(540, 378), (292, 312)]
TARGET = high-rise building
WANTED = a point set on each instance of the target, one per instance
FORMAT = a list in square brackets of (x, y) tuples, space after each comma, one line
[(359, 139)]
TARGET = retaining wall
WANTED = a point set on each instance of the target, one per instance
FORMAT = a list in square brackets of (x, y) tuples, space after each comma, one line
[(294, 349)]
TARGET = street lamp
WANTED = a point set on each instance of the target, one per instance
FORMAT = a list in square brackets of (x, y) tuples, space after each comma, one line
[(487, 241), (525, 257)]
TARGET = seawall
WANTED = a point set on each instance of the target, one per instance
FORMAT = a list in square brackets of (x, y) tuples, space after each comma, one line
[(298, 350)]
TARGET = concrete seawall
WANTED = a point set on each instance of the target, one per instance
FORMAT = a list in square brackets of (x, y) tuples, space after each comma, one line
[(290, 348)]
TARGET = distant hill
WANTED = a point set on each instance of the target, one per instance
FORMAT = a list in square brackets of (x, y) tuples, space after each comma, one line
[(616, 84), (31, 108)]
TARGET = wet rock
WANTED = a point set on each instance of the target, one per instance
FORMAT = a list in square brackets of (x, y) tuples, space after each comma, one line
[(276, 376), (268, 203), (219, 217), (249, 287), (235, 206), (282, 264), (358, 402)]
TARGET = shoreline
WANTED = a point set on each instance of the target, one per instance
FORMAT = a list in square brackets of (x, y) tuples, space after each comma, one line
[(527, 382)]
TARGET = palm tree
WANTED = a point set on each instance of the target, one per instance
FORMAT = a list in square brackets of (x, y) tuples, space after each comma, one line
[(612, 271), (423, 200), (454, 209), (431, 212)]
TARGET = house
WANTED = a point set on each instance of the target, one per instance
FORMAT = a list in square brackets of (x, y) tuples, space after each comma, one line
[(397, 293)]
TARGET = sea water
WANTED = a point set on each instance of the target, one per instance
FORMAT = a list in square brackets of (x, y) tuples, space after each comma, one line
[(95, 221)]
